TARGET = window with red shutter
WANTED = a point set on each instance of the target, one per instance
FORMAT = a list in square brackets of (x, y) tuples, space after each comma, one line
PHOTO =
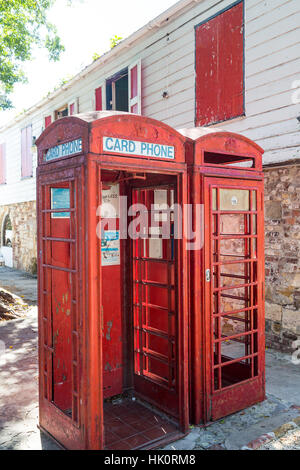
[(220, 67), (48, 120), (2, 164), (98, 99), (26, 155)]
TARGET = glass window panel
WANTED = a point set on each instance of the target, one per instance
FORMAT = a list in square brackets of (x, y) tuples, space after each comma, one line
[(235, 373), (234, 349), (234, 224), (254, 200), (234, 248), (234, 199), (214, 199), (234, 274), (237, 323)]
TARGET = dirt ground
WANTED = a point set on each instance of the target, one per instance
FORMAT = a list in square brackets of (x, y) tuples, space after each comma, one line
[(11, 306)]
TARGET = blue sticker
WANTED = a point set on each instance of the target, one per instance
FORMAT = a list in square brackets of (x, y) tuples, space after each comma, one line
[(60, 199)]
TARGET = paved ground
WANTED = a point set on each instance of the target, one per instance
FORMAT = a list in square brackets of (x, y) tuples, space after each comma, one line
[(20, 283), (19, 397)]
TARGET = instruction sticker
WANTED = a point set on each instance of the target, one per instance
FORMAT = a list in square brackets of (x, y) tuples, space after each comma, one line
[(110, 202), (60, 199), (110, 248)]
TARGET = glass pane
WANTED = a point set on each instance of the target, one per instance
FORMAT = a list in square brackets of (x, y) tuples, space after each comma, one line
[(234, 224), (254, 200), (234, 349), (234, 199), (214, 199)]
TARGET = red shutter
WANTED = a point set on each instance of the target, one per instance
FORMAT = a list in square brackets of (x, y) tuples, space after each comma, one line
[(26, 155), (220, 67), (72, 109), (98, 99), (48, 120), (2, 164)]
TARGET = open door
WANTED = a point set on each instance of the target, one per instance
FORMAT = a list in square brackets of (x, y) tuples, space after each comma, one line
[(155, 313), (234, 280)]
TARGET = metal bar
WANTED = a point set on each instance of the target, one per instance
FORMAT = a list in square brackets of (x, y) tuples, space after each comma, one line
[(233, 237), (230, 312), (234, 212), (54, 239), (154, 260), (67, 270), (228, 363), (155, 331), (239, 261), (159, 307), (237, 286), (51, 211), (154, 284), (233, 337)]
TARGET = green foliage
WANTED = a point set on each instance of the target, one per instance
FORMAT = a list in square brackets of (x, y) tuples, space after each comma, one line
[(23, 24), (114, 41), (96, 56)]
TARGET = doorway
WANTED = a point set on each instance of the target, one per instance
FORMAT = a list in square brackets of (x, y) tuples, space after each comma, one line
[(140, 313), (7, 241)]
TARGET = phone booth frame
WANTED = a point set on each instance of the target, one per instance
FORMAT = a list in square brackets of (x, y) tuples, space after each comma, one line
[(71, 155), (219, 167)]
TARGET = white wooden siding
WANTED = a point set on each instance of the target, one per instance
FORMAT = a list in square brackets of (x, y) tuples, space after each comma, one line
[(272, 65)]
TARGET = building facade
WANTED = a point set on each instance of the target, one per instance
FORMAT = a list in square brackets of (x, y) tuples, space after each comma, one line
[(233, 65)]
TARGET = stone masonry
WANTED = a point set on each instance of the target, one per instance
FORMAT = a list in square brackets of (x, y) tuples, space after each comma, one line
[(23, 218), (282, 243)]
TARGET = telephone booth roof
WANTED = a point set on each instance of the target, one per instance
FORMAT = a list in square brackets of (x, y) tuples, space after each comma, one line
[(111, 133), (221, 143)]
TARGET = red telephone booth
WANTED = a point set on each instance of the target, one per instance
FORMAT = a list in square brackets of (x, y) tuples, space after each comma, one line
[(113, 307), (227, 275)]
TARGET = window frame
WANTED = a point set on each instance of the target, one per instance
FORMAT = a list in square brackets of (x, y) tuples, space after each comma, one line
[(29, 150)]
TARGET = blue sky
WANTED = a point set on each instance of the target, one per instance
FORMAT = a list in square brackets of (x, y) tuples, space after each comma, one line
[(85, 28)]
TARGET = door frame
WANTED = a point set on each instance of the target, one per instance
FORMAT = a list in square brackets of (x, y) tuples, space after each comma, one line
[(183, 319)]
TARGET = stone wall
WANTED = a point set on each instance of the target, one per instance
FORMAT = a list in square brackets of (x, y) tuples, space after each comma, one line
[(282, 243), (23, 218)]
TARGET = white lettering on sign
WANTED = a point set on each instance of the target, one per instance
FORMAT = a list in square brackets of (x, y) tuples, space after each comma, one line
[(64, 150), (132, 147)]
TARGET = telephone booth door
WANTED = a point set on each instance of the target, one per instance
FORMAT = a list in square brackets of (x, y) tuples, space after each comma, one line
[(60, 304), (155, 292), (233, 294)]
